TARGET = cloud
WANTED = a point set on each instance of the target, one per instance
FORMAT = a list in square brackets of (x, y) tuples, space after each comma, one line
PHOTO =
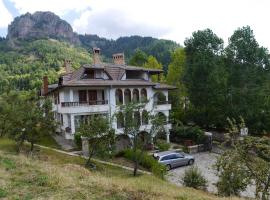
[(113, 23), (60, 7), (5, 16), (173, 19)]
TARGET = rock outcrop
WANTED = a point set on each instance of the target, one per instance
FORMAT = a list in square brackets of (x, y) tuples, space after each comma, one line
[(41, 25)]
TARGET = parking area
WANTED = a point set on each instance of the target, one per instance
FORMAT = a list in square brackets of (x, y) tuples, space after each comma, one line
[(204, 161)]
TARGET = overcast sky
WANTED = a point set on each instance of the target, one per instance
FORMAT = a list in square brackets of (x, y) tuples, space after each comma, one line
[(168, 19)]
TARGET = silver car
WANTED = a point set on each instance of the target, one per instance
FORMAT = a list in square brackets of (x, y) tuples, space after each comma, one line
[(174, 159)]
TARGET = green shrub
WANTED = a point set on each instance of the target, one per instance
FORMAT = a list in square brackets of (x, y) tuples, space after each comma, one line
[(163, 145), (193, 133), (193, 178), (147, 162), (78, 140)]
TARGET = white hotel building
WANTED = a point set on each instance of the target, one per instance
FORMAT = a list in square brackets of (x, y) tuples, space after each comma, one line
[(99, 88)]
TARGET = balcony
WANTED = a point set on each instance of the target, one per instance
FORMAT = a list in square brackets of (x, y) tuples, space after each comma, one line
[(97, 106), (89, 103), (162, 105)]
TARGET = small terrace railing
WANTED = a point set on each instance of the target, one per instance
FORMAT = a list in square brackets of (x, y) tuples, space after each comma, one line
[(88, 103)]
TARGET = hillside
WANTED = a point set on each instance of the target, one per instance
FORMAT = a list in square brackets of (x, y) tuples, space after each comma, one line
[(51, 175), (24, 66), (37, 44), (159, 48)]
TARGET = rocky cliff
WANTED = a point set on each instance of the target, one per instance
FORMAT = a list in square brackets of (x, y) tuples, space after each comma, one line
[(41, 25)]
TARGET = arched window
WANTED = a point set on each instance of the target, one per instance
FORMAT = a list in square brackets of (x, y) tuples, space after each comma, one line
[(144, 117), (159, 98), (143, 95), (162, 117), (120, 120), (127, 94), (137, 118), (119, 97), (135, 97)]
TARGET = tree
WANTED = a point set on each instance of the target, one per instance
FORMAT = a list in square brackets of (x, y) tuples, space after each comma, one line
[(247, 160), (255, 157), (205, 78), (132, 128), (152, 63), (99, 135), (40, 121), (248, 83), (25, 118), (175, 77), (138, 58)]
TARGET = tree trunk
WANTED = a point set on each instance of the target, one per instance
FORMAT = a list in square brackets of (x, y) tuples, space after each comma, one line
[(135, 167), (32, 147)]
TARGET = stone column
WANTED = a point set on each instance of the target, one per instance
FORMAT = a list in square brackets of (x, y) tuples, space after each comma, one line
[(85, 146), (72, 124), (71, 95), (168, 136)]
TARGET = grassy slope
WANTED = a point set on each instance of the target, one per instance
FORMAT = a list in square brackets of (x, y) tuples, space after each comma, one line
[(49, 141), (50, 175)]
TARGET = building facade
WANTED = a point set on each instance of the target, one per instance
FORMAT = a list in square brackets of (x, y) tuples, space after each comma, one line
[(99, 89)]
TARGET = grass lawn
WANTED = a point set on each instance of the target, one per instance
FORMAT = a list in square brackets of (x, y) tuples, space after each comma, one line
[(49, 141), (51, 175)]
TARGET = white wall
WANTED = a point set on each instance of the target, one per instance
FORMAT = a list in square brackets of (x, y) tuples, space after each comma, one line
[(111, 108)]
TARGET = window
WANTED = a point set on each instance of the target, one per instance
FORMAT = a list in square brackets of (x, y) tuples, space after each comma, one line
[(137, 118), (143, 95), (82, 96), (119, 97), (62, 120), (135, 97), (56, 97), (120, 120), (92, 97), (178, 155), (169, 157), (88, 74), (127, 94), (144, 117), (133, 74)]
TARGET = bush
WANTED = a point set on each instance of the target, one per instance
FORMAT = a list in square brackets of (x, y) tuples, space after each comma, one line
[(193, 133), (193, 178), (78, 140), (147, 162), (163, 145)]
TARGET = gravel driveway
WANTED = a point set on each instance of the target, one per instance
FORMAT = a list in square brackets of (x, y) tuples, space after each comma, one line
[(204, 161)]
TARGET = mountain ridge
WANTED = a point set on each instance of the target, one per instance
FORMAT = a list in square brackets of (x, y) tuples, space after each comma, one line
[(45, 25)]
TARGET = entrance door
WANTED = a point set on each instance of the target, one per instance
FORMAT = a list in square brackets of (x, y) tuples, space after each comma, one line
[(92, 96)]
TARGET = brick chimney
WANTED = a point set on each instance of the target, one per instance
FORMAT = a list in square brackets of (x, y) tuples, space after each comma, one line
[(96, 56), (119, 59), (45, 85), (67, 66)]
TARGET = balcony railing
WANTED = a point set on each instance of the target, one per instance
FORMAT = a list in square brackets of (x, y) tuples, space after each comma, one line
[(161, 102), (88, 103)]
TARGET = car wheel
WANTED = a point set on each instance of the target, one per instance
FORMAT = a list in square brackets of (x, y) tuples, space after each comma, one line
[(190, 162), (168, 167)]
